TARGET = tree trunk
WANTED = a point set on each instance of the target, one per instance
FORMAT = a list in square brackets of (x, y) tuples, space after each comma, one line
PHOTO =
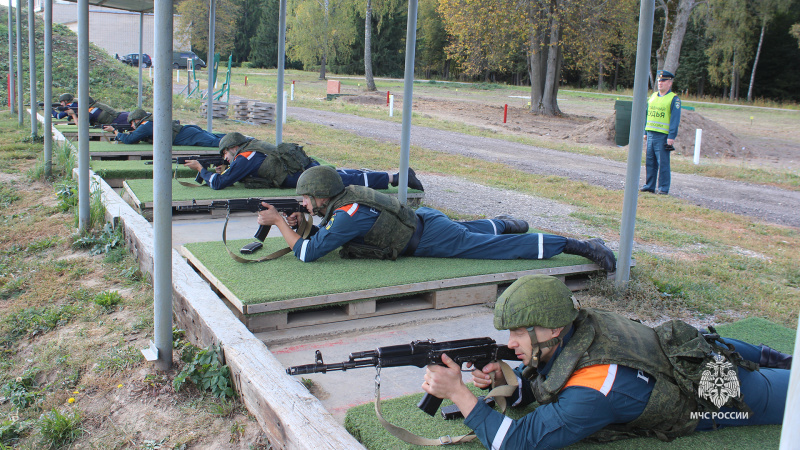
[(322, 67), (600, 77), (549, 103), (368, 48), (673, 53), (733, 77), (666, 33), (616, 74), (755, 63), (536, 71)]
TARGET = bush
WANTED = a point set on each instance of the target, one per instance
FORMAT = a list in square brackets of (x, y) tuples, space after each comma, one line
[(58, 430), (206, 371)]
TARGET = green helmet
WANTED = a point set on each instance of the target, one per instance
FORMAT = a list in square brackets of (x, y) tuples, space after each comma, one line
[(231, 140), (320, 182), (91, 100), (66, 97), (535, 300), (137, 115)]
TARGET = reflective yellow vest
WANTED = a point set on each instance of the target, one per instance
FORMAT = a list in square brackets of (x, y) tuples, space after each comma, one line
[(658, 112)]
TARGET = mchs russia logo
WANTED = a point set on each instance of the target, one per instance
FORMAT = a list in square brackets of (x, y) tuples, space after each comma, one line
[(719, 383)]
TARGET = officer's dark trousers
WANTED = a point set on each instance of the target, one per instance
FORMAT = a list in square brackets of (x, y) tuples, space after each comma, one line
[(196, 136), (444, 238), (657, 163)]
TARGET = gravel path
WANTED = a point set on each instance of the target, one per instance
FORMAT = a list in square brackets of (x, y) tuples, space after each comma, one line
[(765, 203)]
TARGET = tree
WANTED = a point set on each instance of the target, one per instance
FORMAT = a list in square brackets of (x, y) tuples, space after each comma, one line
[(795, 31), (248, 24), (264, 42), (676, 18), (765, 11), (192, 24), (382, 7), (431, 40), (320, 29)]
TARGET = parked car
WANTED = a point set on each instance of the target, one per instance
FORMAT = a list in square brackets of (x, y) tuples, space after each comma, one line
[(179, 60), (132, 59)]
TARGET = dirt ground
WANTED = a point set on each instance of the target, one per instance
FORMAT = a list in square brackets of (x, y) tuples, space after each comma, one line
[(770, 144)]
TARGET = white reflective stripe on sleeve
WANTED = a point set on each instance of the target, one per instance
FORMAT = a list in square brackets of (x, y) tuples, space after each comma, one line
[(352, 209), (609, 382), (519, 392), (212, 178), (303, 250), (501, 433), (541, 246), (366, 180), (494, 226)]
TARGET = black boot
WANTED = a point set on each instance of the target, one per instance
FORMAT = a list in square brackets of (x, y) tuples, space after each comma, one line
[(512, 225), (593, 249), (413, 181), (773, 359)]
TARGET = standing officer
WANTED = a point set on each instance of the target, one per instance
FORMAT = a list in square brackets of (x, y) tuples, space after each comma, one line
[(370, 224), (601, 375), (663, 119)]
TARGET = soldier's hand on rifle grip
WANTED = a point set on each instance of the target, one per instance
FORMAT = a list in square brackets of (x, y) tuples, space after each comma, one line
[(293, 219), (482, 377), (442, 381), (108, 128), (193, 164), (269, 215)]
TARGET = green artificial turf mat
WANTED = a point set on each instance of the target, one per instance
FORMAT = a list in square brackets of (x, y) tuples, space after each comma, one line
[(362, 422), (144, 191), (128, 170), (103, 146), (288, 278)]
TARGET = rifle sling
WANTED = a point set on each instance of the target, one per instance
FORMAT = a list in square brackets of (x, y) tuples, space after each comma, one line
[(183, 183), (303, 228), (499, 393)]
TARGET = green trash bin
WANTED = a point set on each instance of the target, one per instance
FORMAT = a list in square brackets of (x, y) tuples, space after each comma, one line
[(622, 126)]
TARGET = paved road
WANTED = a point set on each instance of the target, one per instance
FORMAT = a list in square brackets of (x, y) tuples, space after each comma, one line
[(766, 203)]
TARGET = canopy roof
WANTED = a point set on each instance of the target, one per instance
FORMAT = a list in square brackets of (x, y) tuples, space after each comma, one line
[(145, 6)]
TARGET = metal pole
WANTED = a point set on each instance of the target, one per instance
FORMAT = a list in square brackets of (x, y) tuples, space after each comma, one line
[(790, 432), (84, 213), (408, 94), (643, 49), (19, 64), (162, 185), (48, 88), (141, 60), (212, 17), (11, 97), (281, 66), (32, 63)]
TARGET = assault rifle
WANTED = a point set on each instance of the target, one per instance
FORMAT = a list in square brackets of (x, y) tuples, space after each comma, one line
[(57, 106), (285, 206), (204, 161), (121, 127), (478, 351)]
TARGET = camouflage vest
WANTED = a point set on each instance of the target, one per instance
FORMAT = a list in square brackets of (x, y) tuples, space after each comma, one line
[(107, 113), (176, 128), (390, 233), (286, 159), (674, 353)]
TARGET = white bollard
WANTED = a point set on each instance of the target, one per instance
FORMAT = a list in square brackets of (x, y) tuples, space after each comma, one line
[(283, 120), (697, 139), (391, 105), (292, 91), (179, 76)]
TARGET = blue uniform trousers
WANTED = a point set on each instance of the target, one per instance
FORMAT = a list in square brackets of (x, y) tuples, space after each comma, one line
[(657, 163), (375, 180), (481, 239), (764, 392), (194, 135)]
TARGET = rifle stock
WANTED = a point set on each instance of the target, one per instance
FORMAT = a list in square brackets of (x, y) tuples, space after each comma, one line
[(478, 351)]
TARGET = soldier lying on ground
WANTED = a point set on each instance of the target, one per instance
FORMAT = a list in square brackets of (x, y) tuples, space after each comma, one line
[(99, 113), (370, 224), (259, 164), (601, 375), (181, 134)]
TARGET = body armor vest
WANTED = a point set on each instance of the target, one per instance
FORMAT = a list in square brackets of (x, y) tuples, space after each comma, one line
[(674, 353), (390, 233), (659, 112), (286, 159), (176, 128), (107, 113)]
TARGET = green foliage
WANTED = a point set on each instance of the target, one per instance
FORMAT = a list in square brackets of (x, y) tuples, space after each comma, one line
[(11, 431), (205, 370), (317, 32), (8, 195), (102, 241), (34, 321), (108, 299), (59, 430), (67, 194), (43, 244), (21, 391)]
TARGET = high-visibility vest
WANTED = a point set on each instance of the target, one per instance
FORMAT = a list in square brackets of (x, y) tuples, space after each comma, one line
[(658, 112)]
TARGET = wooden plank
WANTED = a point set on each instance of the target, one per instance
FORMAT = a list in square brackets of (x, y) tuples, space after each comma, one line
[(473, 295), (359, 308), (407, 289), (129, 196), (212, 280), (267, 322)]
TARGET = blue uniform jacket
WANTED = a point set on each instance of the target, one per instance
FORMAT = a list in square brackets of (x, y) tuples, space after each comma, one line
[(244, 164), (349, 223), (189, 135), (62, 114)]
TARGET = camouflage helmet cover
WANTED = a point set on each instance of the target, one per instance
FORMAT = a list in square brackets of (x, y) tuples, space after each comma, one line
[(535, 300), (320, 182), (66, 97), (231, 140), (91, 100), (137, 115)]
